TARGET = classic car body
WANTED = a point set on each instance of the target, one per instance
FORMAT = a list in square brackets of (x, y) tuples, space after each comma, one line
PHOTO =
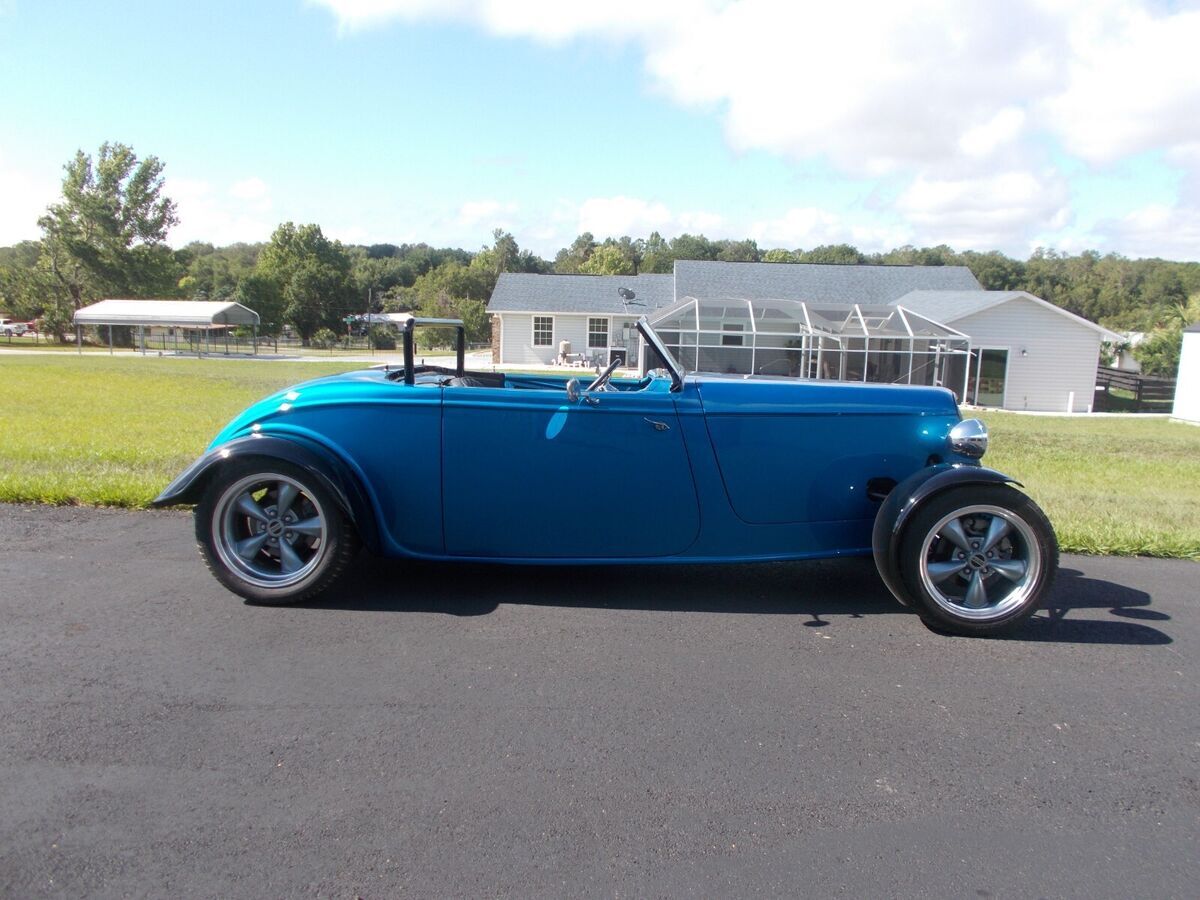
[(434, 463)]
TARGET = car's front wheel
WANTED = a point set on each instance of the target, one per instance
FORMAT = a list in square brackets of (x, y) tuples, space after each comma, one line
[(978, 560), (272, 533)]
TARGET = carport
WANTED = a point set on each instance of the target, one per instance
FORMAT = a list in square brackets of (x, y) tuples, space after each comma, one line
[(202, 315)]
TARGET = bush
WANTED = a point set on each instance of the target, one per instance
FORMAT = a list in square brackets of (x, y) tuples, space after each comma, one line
[(324, 339), (383, 338)]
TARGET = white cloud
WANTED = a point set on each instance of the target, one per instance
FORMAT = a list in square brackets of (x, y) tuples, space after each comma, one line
[(807, 227), (617, 216), (1131, 82), (985, 212), (24, 196), (491, 213), (250, 189), (1172, 232), (239, 212), (968, 89)]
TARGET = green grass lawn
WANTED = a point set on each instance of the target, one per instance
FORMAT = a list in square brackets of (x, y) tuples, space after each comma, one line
[(1128, 485), (115, 431)]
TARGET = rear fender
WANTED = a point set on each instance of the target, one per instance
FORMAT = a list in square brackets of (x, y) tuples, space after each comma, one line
[(905, 499), (325, 466)]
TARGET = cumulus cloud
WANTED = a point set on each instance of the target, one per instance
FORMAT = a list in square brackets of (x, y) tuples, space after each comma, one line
[(951, 97), (809, 226), (240, 211), (617, 216), (877, 86), (24, 196), (491, 213), (985, 212)]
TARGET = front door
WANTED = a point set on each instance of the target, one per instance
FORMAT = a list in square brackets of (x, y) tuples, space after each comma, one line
[(528, 474)]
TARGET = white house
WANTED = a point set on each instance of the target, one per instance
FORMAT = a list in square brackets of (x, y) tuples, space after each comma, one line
[(1026, 353), (1187, 382), (533, 314)]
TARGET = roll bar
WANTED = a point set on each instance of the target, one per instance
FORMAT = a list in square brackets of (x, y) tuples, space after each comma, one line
[(406, 332)]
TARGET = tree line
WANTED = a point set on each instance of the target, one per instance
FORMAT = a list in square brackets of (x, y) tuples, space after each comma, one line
[(107, 236)]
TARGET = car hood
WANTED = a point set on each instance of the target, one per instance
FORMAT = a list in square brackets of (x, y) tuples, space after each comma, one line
[(722, 394)]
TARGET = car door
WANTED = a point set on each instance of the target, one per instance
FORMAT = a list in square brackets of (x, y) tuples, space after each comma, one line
[(528, 474)]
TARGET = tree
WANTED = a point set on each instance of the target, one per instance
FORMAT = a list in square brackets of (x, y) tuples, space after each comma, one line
[(312, 275), (264, 295), (837, 254), (1159, 352), (778, 255), (107, 234), (110, 225), (608, 260), (569, 259)]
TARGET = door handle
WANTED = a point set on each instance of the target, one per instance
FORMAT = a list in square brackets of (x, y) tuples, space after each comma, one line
[(658, 426)]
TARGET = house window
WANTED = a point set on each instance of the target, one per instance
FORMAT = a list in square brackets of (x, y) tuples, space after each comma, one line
[(543, 331), (734, 339), (597, 333)]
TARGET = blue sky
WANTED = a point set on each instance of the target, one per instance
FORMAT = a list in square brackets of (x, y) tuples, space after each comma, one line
[(1066, 124)]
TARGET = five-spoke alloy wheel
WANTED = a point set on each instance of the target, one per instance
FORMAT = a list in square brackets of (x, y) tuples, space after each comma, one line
[(271, 532), (978, 560)]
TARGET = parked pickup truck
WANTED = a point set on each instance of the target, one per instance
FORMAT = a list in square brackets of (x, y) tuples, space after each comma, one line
[(10, 328)]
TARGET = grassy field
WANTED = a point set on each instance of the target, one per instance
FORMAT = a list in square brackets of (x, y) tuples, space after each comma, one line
[(114, 431), (1128, 485)]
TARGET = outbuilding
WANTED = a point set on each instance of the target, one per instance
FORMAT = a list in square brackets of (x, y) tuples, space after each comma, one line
[(205, 316), (1187, 382)]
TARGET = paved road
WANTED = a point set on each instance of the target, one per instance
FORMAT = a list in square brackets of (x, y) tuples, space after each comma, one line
[(782, 729)]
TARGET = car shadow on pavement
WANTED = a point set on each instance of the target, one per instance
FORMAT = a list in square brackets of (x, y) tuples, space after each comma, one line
[(823, 593)]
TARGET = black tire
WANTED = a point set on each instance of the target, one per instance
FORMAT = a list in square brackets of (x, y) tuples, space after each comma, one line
[(265, 570), (978, 559)]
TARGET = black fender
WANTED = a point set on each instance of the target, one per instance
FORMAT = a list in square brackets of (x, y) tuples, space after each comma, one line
[(904, 500), (323, 464)]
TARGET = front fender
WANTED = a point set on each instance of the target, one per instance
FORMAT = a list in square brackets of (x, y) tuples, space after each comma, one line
[(904, 500), (327, 468)]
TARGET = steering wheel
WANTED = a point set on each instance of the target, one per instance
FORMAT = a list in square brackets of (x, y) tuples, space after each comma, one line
[(602, 378)]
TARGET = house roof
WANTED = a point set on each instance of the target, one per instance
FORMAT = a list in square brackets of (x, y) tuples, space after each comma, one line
[(171, 313), (839, 284), (596, 294), (945, 306), (1192, 329), (949, 306)]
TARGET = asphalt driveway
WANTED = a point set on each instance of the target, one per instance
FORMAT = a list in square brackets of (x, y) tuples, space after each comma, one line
[(476, 731)]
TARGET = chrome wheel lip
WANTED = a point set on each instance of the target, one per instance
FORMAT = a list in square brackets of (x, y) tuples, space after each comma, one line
[(1018, 594), (224, 515)]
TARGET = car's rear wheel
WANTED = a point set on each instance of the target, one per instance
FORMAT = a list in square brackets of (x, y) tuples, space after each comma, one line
[(978, 560), (272, 533)]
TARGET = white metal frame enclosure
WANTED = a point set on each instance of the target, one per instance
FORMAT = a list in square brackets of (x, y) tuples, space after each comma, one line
[(887, 344)]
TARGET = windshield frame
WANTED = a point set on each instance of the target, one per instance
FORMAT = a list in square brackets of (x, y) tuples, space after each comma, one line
[(651, 337)]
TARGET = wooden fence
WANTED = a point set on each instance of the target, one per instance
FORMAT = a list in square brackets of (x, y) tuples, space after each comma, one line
[(1121, 391)]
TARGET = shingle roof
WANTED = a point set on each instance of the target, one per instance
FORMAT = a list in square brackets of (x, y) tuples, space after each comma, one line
[(949, 306), (522, 292), (946, 306), (868, 285), (1192, 329)]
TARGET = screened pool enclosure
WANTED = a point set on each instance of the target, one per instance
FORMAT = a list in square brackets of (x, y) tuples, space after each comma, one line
[(888, 344)]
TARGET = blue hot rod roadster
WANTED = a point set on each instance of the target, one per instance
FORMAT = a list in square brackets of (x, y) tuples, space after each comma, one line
[(440, 463)]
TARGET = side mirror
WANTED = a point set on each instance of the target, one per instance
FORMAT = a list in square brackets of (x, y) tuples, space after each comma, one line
[(573, 390)]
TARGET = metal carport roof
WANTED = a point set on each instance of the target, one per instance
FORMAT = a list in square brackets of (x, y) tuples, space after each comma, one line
[(167, 313)]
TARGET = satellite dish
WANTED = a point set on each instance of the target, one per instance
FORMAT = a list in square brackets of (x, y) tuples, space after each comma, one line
[(626, 293)]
